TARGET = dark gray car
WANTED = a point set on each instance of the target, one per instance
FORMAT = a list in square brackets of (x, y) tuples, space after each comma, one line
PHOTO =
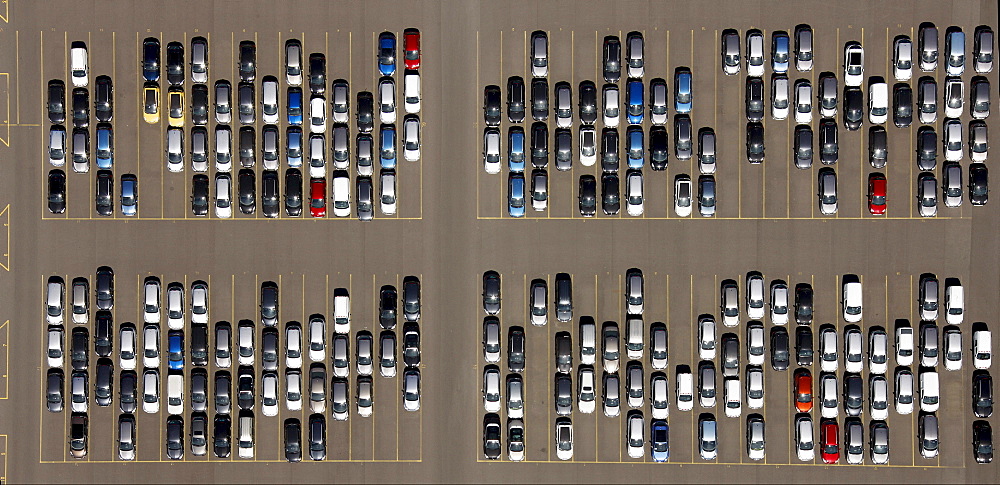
[(755, 99), (411, 299), (612, 59), (853, 399), (539, 145), (829, 150), (926, 148), (683, 143), (588, 102), (853, 108), (878, 147), (564, 297), (515, 99), (539, 99), (755, 142), (491, 292), (902, 105), (564, 352), (563, 394), (609, 150), (803, 147), (269, 303), (610, 193), (563, 149)]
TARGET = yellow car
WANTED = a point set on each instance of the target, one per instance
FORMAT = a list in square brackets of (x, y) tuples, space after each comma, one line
[(175, 102), (151, 108)]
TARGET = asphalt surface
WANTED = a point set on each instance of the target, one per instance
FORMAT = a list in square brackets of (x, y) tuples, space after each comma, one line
[(452, 245)]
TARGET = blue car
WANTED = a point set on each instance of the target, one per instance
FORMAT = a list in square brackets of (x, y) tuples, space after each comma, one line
[(293, 148), (659, 442), (387, 53), (682, 88), (515, 153), (779, 52), (175, 350), (295, 106), (636, 152), (387, 146), (635, 106), (515, 195), (105, 146), (129, 194)]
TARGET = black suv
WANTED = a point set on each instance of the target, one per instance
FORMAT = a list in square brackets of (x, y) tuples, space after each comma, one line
[(175, 63), (104, 198), (979, 189), (57, 191), (57, 101), (248, 192), (612, 59), (491, 105), (588, 102), (293, 192), (199, 194), (515, 99), (103, 99), (755, 142), (588, 195), (248, 61)]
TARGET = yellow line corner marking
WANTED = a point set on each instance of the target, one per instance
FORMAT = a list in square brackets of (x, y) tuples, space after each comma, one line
[(6, 18), (6, 114), (4, 454), (5, 327), (5, 217)]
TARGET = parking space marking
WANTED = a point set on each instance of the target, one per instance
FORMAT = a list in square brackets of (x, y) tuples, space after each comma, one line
[(6, 18), (5, 87), (3, 454), (4, 373)]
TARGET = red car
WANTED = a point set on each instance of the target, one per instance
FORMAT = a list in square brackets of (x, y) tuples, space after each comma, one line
[(317, 197), (411, 48), (830, 447), (876, 193), (803, 391)]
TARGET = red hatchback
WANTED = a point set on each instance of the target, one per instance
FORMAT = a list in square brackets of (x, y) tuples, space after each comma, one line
[(411, 48), (317, 197), (803, 391), (876, 193), (830, 447)]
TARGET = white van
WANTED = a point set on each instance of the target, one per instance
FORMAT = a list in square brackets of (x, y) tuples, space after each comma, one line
[(954, 304), (982, 353), (341, 311), (904, 345), (930, 395), (685, 391), (588, 343), (246, 436), (341, 194), (175, 393), (411, 92), (851, 300), (878, 103), (78, 64)]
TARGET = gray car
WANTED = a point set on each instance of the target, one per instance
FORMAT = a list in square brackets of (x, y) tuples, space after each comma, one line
[(730, 355), (926, 148), (564, 352), (563, 394), (491, 292), (564, 297), (951, 186), (803, 147), (829, 148), (927, 195), (878, 147), (682, 137), (827, 191)]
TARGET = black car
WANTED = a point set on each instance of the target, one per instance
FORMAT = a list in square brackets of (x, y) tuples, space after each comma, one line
[(779, 348), (926, 148), (55, 383), (127, 383), (755, 142), (269, 303), (245, 98), (199, 344), (317, 437), (491, 292), (103, 99), (104, 196), (803, 345), (979, 189), (105, 288), (269, 349), (491, 105), (610, 193), (982, 441), (199, 387), (564, 149), (79, 350), (150, 62), (588, 102), (755, 99), (853, 108), (293, 192), (387, 307), (878, 147), (658, 151), (612, 59), (609, 150), (248, 61), (588, 195), (515, 99), (175, 437), (491, 436), (78, 435), (175, 63), (317, 73), (539, 99), (222, 435), (245, 388), (853, 385), (81, 108), (57, 101), (247, 186), (982, 394), (293, 440), (803, 148), (902, 105), (411, 299), (199, 104), (223, 394), (803, 304), (103, 333), (515, 349), (366, 110), (411, 344), (829, 148), (199, 194), (104, 381), (539, 145), (270, 205)]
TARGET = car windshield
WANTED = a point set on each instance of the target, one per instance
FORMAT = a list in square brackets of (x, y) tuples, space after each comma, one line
[(684, 96), (854, 63)]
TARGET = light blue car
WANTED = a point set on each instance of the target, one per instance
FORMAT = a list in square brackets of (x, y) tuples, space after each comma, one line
[(682, 85), (515, 195), (779, 52), (515, 154), (635, 106), (129, 194), (293, 147), (636, 147), (387, 147), (105, 146)]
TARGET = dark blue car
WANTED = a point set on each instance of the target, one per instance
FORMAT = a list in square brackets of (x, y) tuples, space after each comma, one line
[(295, 106), (659, 442), (387, 53), (635, 106), (175, 349)]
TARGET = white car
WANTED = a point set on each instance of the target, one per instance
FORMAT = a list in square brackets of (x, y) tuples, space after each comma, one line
[(317, 339), (515, 397), (365, 353), (779, 97), (854, 61), (515, 440), (930, 396), (411, 389), (365, 397), (803, 102), (151, 391), (804, 445), (755, 387), (269, 99), (411, 93), (151, 346), (904, 346), (269, 394), (293, 389), (612, 110), (755, 297), (340, 193), (387, 192), (755, 343), (755, 438), (634, 438), (878, 397), (612, 395), (126, 347), (293, 346), (387, 355), (952, 348), (828, 349), (491, 150), (223, 149), (199, 302), (491, 389), (853, 359), (954, 97), (903, 390), (982, 355), (733, 397), (633, 189), (564, 439), (779, 304), (586, 393), (223, 195), (954, 304), (588, 146), (828, 396), (878, 351), (151, 305), (902, 59), (952, 140), (387, 100), (317, 115), (878, 103), (175, 306), (56, 348), (683, 190), (852, 301), (244, 342), (685, 391), (706, 338), (317, 156), (79, 70), (659, 396), (411, 139), (755, 54)]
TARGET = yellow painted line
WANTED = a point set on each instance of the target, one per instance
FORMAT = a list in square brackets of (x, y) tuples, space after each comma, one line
[(730, 218), (4, 455), (6, 18)]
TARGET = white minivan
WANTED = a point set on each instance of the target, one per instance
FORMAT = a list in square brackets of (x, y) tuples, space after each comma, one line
[(982, 354), (954, 304), (175, 393), (411, 92), (851, 301), (246, 436), (685, 391), (588, 342), (341, 194), (78, 64), (930, 395), (878, 103), (341, 311)]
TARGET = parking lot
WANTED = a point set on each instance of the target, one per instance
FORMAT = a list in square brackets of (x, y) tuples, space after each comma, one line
[(768, 212)]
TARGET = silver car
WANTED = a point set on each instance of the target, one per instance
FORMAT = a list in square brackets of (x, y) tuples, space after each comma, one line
[(827, 191), (926, 195)]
